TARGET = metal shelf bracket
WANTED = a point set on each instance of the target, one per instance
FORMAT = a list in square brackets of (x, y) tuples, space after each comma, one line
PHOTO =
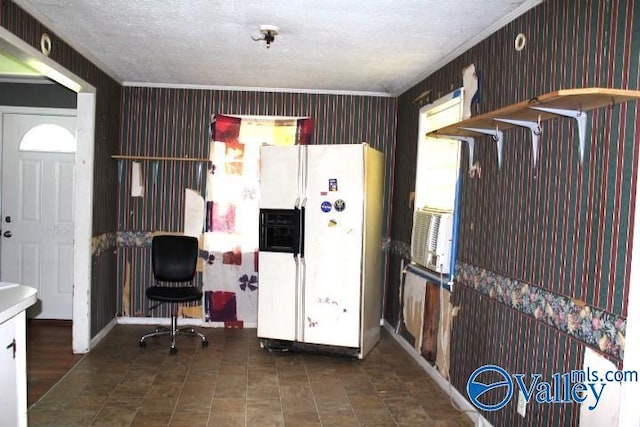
[(470, 144), (579, 115), (536, 131), (496, 134)]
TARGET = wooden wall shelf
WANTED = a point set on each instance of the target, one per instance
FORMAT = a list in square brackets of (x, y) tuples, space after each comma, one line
[(159, 158), (574, 103)]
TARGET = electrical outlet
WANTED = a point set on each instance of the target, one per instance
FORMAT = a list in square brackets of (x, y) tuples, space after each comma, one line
[(522, 404)]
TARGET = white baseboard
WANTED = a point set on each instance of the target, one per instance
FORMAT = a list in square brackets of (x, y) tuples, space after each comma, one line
[(103, 333), (462, 403), (128, 320)]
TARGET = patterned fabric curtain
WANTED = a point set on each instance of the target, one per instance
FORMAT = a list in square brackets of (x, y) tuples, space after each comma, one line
[(304, 129), (231, 228)]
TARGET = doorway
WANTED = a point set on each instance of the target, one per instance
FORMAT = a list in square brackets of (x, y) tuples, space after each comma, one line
[(83, 181)]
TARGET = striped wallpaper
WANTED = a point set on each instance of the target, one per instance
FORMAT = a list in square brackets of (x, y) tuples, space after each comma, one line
[(487, 332), (103, 293), (564, 227), (175, 123)]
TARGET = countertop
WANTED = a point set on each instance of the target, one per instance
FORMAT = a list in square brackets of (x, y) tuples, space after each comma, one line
[(15, 298)]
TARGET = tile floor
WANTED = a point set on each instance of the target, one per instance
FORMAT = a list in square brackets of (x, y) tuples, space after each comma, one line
[(234, 382)]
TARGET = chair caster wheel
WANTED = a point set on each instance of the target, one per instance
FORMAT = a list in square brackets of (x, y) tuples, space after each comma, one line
[(173, 350), (205, 343), (142, 343)]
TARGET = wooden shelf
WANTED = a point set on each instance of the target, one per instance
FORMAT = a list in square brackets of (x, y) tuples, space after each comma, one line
[(574, 103), (159, 158)]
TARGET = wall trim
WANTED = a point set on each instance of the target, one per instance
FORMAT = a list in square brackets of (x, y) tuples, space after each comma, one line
[(103, 332), (83, 223), (102, 243), (257, 89), (595, 327), (130, 320), (35, 80)]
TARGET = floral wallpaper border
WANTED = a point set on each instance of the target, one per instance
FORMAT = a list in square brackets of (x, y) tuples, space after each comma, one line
[(107, 241), (134, 239), (398, 247), (595, 327), (102, 243)]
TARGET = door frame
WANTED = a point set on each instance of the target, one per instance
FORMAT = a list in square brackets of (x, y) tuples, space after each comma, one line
[(83, 212)]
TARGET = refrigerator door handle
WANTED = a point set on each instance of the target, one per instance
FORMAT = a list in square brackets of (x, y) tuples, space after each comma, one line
[(305, 165), (301, 231), (300, 316), (300, 174), (296, 260)]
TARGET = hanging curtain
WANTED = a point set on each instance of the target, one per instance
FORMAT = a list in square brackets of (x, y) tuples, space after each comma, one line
[(231, 227), (304, 128)]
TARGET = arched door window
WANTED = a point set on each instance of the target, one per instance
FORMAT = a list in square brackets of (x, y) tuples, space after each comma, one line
[(50, 138)]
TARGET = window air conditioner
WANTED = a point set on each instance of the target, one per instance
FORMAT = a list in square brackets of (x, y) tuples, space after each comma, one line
[(431, 239)]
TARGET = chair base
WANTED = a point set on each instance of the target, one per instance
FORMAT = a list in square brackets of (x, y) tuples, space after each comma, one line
[(173, 332)]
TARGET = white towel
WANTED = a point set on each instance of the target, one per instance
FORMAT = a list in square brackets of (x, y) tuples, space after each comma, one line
[(193, 213), (137, 186), (413, 306)]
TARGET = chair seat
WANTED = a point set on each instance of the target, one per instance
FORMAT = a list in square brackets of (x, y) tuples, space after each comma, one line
[(174, 294)]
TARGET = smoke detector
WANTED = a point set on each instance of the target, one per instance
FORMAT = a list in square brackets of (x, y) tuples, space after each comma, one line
[(268, 34)]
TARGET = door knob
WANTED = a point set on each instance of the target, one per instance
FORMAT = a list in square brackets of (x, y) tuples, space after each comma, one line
[(7, 218), (7, 234)]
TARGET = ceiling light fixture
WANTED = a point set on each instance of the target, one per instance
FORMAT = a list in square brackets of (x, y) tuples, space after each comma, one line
[(268, 34)]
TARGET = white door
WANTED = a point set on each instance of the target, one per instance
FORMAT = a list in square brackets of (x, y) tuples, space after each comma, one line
[(37, 210), (279, 172), (278, 292), (333, 244)]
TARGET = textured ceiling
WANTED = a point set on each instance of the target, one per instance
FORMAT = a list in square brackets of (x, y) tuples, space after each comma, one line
[(375, 46)]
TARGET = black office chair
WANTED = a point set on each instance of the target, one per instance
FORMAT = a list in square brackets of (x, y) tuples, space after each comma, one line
[(173, 260)]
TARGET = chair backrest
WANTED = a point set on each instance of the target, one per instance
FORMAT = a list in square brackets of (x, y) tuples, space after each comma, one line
[(174, 257)]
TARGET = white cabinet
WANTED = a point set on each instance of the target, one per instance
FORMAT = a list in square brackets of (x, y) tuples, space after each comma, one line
[(13, 371), (14, 300)]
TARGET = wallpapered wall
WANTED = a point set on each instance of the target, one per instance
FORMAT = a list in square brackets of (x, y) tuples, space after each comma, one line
[(103, 295), (175, 122), (560, 232)]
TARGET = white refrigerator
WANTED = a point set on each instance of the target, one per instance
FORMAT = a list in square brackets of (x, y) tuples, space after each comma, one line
[(320, 247)]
